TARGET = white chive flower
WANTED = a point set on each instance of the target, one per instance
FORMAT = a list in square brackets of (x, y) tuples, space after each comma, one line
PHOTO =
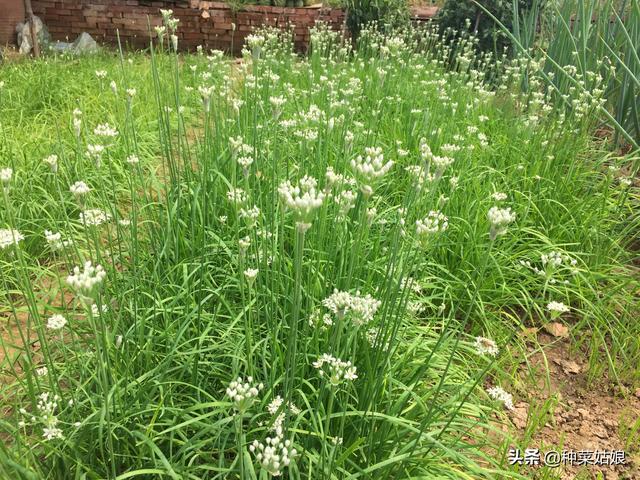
[(486, 346), (206, 93), (251, 274), (370, 168), (95, 153), (251, 215), (278, 422), (79, 189), (434, 222), (9, 236), (5, 176), (54, 240), (499, 218), (499, 196), (56, 322), (45, 414), (97, 311), (52, 161), (440, 164), (77, 121), (105, 130), (237, 196), (359, 309), (304, 199), (274, 454), (245, 162), (243, 393), (419, 175), (133, 160), (337, 370), (556, 309), (86, 281), (345, 200), (94, 217), (500, 395)]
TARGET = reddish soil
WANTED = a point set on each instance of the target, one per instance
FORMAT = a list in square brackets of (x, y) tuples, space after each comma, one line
[(579, 416)]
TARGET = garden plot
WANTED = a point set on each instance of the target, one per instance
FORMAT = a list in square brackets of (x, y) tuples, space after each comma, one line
[(310, 267)]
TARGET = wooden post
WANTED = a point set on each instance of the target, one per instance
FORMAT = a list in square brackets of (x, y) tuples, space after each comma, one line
[(32, 28)]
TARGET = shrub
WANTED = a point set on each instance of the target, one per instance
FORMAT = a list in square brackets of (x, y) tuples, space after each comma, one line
[(387, 14), (470, 17)]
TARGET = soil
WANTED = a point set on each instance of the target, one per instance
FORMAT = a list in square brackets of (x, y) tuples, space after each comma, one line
[(579, 415)]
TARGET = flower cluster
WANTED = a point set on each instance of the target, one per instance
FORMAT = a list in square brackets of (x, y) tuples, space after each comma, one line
[(54, 240), (419, 175), (45, 415), (552, 263), (499, 218), (440, 164), (250, 274), (243, 393), (556, 309), (237, 196), (360, 309), (434, 222), (87, 280), (250, 215), (239, 148), (274, 454), (105, 130), (5, 176), (486, 346), (77, 118), (500, 395), (79, 189), (52, 161), (319, 320), (274, 407), (9, 237), (56, 322), (303, 199), (338, 370), (370, 168), (95, 152), (94, 217)]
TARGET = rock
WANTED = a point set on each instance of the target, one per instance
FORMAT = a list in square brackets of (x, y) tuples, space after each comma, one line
[(24, 35), (557, 329), (570, 367), (519, 415), (84, 44), (583, 412)]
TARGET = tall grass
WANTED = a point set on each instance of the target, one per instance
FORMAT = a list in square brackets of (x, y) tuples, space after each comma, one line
[(583, 44), (299, 256)]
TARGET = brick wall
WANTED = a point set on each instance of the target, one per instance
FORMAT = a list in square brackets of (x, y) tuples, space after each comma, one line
[(210, 24), (201, 23)]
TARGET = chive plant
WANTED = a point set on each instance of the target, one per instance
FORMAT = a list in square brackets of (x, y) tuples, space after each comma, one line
[(306, 267)]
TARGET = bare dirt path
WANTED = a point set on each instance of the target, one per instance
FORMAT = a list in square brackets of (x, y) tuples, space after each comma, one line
[(564, 412)]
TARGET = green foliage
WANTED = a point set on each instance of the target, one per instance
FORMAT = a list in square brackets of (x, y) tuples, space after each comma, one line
[(467, 16), (202, 286), (387, 15), (583, 43)]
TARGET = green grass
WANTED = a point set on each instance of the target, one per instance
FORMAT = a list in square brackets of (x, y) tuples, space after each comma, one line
[(148, 377)]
